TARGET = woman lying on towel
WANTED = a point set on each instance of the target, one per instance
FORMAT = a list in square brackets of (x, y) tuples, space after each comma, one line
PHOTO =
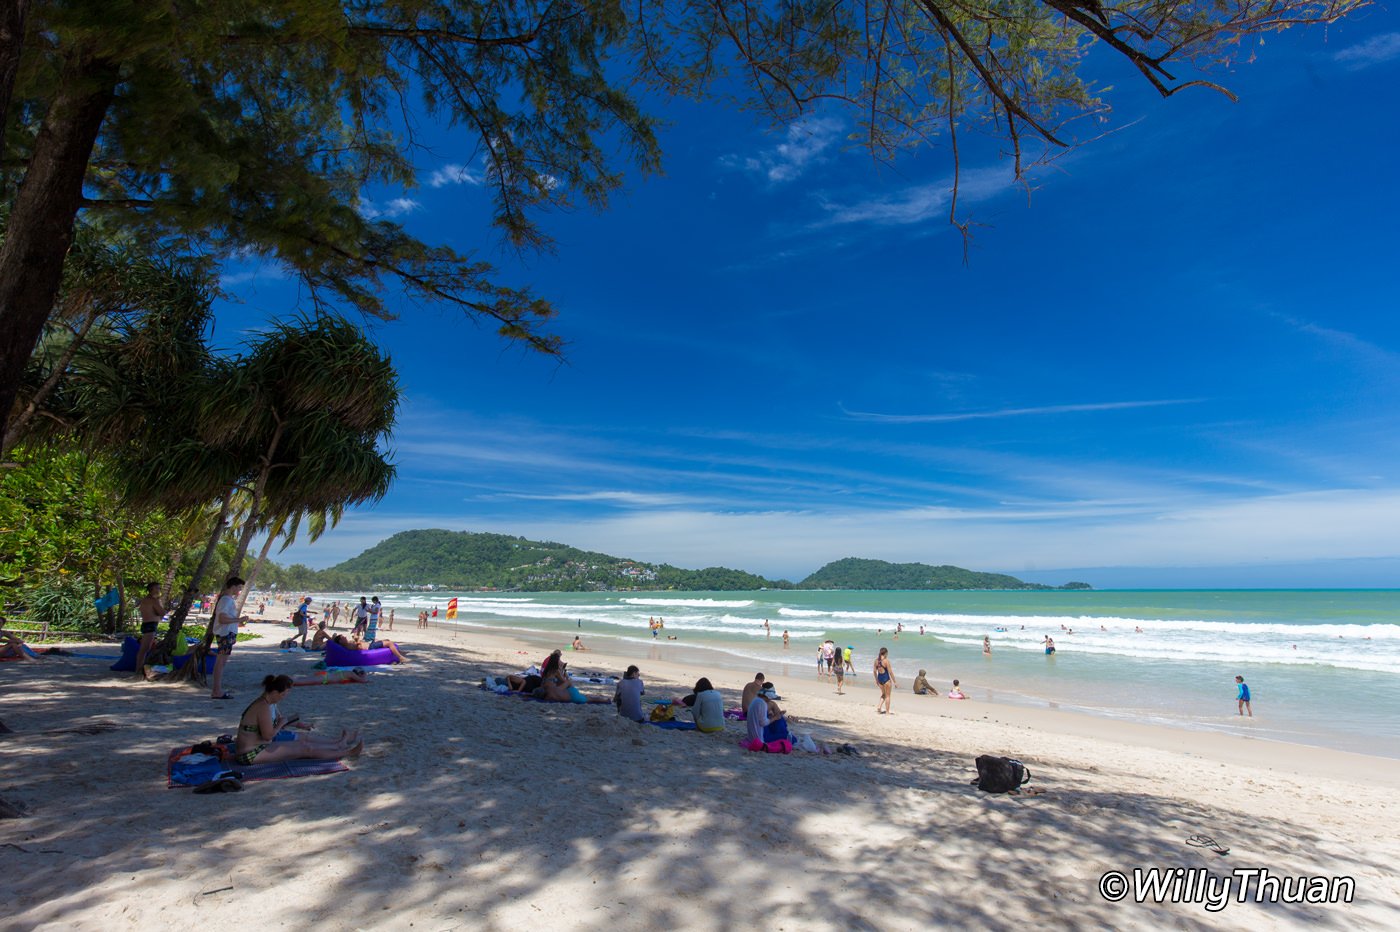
[(258, 727), (358, 643)]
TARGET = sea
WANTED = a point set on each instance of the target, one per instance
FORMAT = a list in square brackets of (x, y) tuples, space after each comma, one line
[(1323, 666)]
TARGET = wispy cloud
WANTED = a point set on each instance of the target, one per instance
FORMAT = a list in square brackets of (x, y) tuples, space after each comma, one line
[(454, 174), (1374, 51), (263, 271), (389, 210), (1013, 412), (805, 146), (629, 499), (920, 202)]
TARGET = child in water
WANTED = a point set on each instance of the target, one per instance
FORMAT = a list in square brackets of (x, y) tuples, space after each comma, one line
[(1242, 696)]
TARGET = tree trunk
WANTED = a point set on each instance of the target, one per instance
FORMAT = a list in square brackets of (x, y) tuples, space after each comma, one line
[(40, 226), (262, 557), (177, 620), (250, 523), (13, 13)]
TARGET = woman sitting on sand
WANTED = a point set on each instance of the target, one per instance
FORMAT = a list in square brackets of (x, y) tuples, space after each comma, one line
[(11, 647), (558, 687), (708, 707), (355, 643), (261, 721)]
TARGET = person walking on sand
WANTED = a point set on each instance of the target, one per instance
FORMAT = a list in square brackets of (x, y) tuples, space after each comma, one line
[(839, 670), (361, 617), (151, 613), (884, 678), (846, 658), (301, 618), (224, 626), (375, 612), (1242, 696)]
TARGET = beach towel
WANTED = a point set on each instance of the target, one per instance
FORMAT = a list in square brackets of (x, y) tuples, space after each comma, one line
[(675, 726), (735, 715), (187, 767)]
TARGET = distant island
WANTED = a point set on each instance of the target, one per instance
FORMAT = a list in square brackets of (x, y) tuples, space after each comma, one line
[(439, 559)]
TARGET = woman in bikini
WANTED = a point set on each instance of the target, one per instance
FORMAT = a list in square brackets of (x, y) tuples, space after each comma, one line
[(260, 723), (884, 677)]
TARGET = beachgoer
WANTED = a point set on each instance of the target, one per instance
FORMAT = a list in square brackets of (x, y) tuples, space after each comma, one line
[(708, 708), (956, 692), (629, 693), (922, 687), (151, 611), (390, 625), (785, 639), (767, 631), (423, 619), (751, 689), (261, 722), (578, 643), (846, 658), (1242, 696), (11, 645), (335, 613), (558, 687), (987, 645), (1049, 643), (372, 625), (838, 668), (302, 618), (821, 663), (884, 678), (353, 643), (319, 639), (766, 719), (361, 617), (224, 627)]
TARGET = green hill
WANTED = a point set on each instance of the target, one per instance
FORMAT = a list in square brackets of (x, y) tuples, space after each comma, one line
[(467, 560), (855, 573)]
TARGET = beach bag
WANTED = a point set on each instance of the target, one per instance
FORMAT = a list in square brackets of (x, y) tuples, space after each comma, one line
[(1000, 774), (781, 746), (662, 713)]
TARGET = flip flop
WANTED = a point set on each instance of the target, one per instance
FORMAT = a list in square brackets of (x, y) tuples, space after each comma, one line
[(224, 784), (1205, 841), (224, 696)]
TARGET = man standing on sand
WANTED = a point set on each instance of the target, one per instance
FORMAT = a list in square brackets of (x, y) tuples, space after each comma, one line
[(151, 613), (302, 620), (361, 617), (1242, 696)]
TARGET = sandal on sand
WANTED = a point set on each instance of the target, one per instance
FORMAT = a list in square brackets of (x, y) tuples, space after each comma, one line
[(224, 783), (1205, 841)]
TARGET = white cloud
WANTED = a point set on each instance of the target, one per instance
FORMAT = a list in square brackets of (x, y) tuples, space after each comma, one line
[(454, 174), (396, 207), (1374, 51), (917, 203), (805, 145), (1012, 412)]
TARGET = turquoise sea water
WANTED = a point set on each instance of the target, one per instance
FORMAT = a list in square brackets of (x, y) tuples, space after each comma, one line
[(1323, 665)]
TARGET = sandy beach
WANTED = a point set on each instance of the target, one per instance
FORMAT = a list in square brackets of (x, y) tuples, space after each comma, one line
[(473, 811)]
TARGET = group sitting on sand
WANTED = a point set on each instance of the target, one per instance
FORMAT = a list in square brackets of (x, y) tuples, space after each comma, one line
[(552, 683)]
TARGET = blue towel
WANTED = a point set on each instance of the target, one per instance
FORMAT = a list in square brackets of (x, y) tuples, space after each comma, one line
[(675, 726)]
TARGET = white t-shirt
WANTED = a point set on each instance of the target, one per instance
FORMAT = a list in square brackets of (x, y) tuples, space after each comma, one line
[(757, 714), (226, 615)]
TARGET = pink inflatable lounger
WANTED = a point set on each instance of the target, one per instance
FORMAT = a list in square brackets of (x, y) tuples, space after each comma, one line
[(337, 656)]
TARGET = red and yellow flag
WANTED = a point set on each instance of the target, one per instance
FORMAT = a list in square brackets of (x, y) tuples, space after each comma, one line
[(452, 608)]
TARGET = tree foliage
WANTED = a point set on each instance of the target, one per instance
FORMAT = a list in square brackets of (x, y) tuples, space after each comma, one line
[(856, 573)]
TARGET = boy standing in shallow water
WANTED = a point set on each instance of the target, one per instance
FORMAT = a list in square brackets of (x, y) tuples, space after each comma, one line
[(1242, 696)]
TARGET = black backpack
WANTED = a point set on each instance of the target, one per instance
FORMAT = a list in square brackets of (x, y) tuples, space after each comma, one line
[(1000, 774)]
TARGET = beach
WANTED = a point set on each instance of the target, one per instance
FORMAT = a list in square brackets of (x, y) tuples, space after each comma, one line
[(469, 810)]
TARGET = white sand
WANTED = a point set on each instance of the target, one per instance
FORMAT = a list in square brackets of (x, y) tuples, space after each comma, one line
[(476, 812)]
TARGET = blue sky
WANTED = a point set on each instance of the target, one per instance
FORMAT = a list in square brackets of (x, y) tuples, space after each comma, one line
[(1177, 363)]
